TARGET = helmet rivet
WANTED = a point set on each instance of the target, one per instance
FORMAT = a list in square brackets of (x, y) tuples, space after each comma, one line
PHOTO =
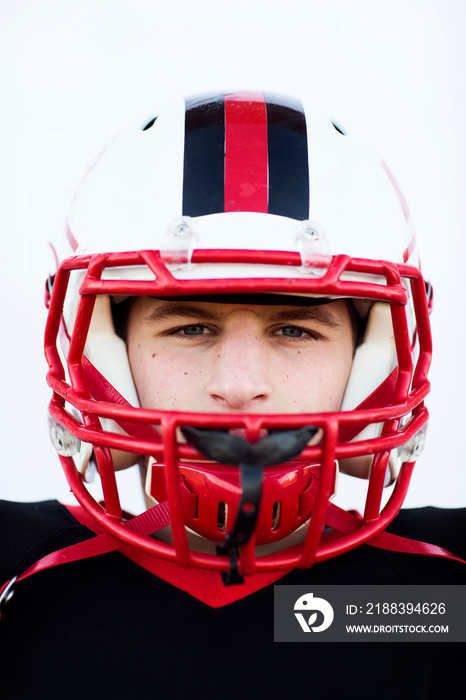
[(66, 444), (178, 244), (312, 245), (311, 233), (414, 447), (182, 230)]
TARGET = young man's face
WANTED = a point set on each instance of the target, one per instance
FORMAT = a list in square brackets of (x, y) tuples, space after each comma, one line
[(240, 358)]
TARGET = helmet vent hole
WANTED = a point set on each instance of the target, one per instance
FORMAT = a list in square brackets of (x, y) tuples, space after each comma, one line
[(276, 512), (222, 514), (339, 129)]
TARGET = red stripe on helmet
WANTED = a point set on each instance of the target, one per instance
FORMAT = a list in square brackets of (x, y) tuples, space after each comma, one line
[(71, 239), (407, 253), (246, 159), (396, 187)]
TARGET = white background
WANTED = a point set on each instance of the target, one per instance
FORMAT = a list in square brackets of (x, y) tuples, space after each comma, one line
[(74, 72)]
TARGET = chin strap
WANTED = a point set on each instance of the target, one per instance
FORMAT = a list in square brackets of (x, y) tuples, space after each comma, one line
[(345, 522), (158, 517), (146, 523)]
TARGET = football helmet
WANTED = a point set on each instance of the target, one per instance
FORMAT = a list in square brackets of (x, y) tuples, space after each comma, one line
[(227, 197)]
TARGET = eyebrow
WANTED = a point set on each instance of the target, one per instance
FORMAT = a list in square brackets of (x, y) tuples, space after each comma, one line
[(320, 314)]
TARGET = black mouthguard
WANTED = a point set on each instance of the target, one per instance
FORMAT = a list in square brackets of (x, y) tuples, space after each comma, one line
[(275, 448)]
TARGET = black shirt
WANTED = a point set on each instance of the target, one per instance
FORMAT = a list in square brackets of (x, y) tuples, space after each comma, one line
[(107, 628)]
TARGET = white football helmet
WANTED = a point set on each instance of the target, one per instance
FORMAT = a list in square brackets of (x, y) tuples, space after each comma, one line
[(223, 196)]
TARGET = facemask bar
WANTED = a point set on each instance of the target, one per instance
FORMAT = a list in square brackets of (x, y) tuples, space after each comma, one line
[(343, 279), (315, 548)]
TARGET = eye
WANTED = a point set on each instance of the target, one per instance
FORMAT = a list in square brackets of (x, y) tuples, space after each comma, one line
[(193, 330), (190, 331), (292, 331), (296, 333)]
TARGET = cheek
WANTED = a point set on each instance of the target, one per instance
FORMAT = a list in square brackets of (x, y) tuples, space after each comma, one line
[(162, 380), (332, 384), (315, 382)]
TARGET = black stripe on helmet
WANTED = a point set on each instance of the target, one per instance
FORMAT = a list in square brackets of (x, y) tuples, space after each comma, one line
[(203, 177), (288, 158)]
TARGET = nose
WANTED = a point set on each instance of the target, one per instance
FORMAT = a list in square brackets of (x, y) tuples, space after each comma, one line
[(239, 380)]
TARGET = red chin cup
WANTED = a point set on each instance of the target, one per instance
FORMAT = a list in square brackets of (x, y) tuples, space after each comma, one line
[(211, 494)]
